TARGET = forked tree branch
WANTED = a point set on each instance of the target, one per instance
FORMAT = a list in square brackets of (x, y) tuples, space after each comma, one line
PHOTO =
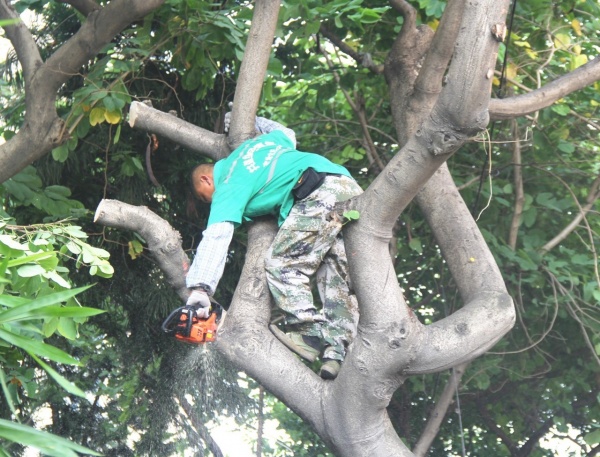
[(42, 129)]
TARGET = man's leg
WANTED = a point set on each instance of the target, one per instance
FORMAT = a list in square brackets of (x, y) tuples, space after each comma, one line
[(295, 255), (298, 250), (339, 306)]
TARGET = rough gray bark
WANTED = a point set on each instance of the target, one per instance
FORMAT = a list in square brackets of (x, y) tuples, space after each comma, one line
[(253, 71), (350, 412), (436, 106), (391, 342), (148, 119), (42, 129), (164, 242)]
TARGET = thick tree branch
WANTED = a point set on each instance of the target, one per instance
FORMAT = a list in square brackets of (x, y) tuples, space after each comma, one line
[(164, 242), (99, 29), (148, 119), (243, 337), (429, 81), (488, 312), (23, 42), (252, 71), (520, 105), (246, 341), (402, 66), (43, 129)]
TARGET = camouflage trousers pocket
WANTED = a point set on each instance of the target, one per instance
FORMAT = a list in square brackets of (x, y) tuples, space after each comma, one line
[(296, 237)]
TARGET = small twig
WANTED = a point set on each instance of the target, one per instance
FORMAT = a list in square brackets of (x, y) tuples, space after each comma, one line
[(151, 148), (519, 193)]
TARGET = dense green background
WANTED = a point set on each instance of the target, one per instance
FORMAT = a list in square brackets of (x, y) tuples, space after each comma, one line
[(543, 378)]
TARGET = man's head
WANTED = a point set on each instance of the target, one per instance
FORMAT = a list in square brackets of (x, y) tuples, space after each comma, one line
[(203, 186)]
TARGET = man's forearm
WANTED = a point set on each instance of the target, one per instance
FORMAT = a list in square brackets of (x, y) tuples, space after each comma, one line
[(264, 125), (209, 262)]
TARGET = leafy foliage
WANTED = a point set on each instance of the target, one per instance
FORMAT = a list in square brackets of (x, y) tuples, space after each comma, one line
[(184, 58), (38, 301)]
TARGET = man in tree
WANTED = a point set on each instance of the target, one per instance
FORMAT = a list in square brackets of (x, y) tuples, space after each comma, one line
[(268, 176)]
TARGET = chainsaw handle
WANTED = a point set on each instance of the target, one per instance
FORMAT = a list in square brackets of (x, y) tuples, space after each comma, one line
[(174, 318)]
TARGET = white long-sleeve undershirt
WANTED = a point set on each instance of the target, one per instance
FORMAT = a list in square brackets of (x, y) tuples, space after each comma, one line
[(209, 262)]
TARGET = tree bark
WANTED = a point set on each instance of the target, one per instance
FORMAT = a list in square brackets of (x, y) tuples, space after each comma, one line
[(252, 71), (350, 413), (439, 412), (197, 139), (164, 242), (42, 129), (520, 105)]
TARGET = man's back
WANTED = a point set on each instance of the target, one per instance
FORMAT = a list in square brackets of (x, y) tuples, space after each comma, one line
[(258, 177)]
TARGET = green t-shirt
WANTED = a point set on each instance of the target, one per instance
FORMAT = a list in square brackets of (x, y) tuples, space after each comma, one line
[(258, 177)]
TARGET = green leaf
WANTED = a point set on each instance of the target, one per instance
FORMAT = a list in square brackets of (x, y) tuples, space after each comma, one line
[(28, 271), (135, 249), (117, 134), (61, 153), (97, 116), (31, 258), (109, 104), (561, 110), (67, 328), (592, 438), (58, 279), (38, 347), (60, 380), (28, 310), (7, 394), (47, 443), (566, 147), (312, 27), (68, 311), (352, 215), (415, 245), (8, 241)]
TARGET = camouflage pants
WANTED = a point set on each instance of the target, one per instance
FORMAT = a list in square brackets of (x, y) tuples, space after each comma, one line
[(310, 242)]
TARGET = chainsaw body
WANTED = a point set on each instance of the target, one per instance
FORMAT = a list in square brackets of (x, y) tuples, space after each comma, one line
[(186, 326)]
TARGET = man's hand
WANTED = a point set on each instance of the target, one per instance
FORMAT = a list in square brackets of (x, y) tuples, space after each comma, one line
[(227, 119), (199, 299)]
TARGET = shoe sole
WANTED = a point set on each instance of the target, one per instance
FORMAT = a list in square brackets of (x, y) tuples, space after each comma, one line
[(326, 374), (288, 343)]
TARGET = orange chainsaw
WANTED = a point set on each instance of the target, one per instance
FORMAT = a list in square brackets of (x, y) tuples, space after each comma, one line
[(185, 325)]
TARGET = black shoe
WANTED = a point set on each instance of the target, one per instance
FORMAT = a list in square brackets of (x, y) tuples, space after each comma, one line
[(297, 343), (330, 369)]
